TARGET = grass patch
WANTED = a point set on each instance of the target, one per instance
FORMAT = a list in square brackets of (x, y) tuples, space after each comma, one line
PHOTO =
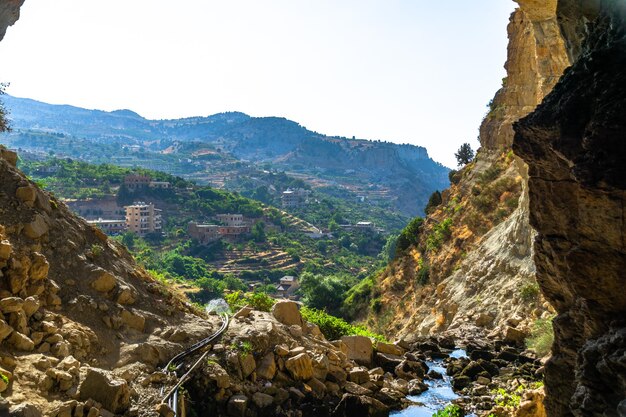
[(506, 399), (451, 410), (244, 347), (541, 337)]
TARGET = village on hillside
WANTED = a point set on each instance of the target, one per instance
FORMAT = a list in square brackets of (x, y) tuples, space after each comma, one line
[(146, 219)]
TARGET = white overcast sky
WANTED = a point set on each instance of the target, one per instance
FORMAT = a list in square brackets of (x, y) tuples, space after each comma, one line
[(406, 71)]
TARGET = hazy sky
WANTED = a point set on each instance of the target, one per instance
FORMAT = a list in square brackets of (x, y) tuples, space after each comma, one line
[(406, 71)]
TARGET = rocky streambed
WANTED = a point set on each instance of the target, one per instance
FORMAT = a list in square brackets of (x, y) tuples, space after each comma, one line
[(276, 364)]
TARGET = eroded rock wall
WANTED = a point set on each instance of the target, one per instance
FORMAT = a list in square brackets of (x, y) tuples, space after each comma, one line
[(536, 59), (574, 144)]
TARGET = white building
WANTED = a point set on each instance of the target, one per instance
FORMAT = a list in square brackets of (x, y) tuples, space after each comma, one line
[(109, 226)]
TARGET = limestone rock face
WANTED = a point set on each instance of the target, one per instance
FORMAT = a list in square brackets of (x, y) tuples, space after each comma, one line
[(574, 146), (536, 59), (474, 279)]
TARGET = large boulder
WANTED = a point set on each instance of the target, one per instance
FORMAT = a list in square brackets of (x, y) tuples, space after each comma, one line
[(237, 406), (113, 394), (5, 249), (300, 367), (11, 305), (247, 364), (360, 406), (103, 281), (389, 348), (27, 195), (287, 312), (266, 369), (39, 267), (388, 362), (37, 228), (360, 349)]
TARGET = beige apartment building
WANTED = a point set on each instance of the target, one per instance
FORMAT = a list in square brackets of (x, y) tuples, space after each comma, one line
[(142, 218)]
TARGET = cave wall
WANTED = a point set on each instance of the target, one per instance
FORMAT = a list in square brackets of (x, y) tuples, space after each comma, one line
[(575, 146), (9, 13)]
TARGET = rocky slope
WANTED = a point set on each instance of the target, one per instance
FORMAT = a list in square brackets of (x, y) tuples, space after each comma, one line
[(74, 303), (474, 257), (574, 146)]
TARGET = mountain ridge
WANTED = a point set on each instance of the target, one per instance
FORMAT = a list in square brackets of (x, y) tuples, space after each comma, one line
[(374, 169), (11, 101)]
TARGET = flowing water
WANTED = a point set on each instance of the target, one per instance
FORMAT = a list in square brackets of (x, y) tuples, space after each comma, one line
[(438, 395)]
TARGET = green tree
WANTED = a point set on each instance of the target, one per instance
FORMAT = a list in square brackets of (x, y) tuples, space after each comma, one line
[(128, 240), (409, 235), (464, 155), (4, 124), (433, 202), (323, 292), (389, 250), (124, 196), (258, 232)]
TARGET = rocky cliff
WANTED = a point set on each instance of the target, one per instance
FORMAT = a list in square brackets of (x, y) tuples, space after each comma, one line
[(476, 248), (574, 146), (9, 13)]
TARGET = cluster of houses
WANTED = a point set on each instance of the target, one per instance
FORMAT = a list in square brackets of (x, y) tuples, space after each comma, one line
[(231, 226)]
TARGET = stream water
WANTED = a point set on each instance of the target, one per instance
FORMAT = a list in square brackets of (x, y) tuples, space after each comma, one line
[(438, 395)]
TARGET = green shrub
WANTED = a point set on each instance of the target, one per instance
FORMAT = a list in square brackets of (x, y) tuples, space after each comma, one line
[(424, 272), (529, 291), (484, 202), (541, 337), (333, 327), (376, 305), (96, 250), (490, 174), (506, 399), (409, 235), (454, 176), (440, 233), (451, 410), (257, 300)]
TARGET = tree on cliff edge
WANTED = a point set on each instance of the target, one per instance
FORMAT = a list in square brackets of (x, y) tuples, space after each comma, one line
[(465, 154), (4, 124)]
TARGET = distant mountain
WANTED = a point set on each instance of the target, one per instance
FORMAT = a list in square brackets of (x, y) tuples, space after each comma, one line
[(401, 174)]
